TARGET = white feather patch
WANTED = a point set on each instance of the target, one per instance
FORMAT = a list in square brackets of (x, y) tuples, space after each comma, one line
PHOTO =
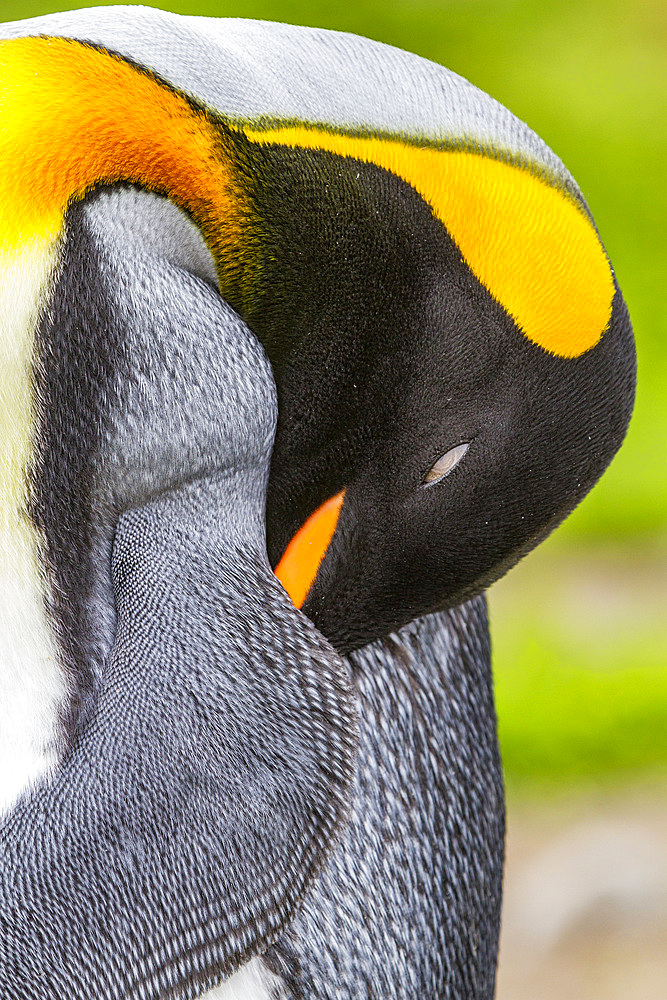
[(252, 982), (32, 685)]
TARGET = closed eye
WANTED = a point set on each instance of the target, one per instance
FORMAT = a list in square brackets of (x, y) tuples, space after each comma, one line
[(445, 464)]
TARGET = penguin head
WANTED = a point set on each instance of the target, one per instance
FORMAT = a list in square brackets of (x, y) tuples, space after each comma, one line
[(452, 380)]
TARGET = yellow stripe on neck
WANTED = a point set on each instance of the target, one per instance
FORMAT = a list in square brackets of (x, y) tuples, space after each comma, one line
[(529, 244)]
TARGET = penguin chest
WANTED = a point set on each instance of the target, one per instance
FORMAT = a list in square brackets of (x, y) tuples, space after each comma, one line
[(32, 684), (252, 982)]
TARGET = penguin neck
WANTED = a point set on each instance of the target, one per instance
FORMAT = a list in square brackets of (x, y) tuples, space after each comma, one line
[(76, 117), (73, 118)]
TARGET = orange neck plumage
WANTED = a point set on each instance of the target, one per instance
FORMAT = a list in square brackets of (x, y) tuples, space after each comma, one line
[(74, 117)]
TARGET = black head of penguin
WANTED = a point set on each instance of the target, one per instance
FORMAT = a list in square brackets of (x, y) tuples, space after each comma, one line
[(388, 352)]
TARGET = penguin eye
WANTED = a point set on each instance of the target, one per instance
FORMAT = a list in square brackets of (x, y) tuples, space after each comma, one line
[(445, 464)]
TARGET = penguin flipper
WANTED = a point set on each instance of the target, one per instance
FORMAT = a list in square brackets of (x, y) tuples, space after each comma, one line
[(208, 777), (196, 805)]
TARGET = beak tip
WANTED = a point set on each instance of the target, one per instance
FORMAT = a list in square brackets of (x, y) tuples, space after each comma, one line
[(303, 556)]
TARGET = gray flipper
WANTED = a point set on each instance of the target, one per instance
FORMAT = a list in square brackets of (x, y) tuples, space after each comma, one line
[(196, 805), (207, 779)]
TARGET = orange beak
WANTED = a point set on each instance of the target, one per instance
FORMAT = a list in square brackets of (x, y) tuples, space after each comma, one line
[(302, 558)]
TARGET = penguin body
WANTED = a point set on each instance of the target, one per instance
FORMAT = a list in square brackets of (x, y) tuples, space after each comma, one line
[(192, 209)]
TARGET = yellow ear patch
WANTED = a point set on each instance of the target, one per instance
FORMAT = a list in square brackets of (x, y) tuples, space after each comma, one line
[(74, 116), (529, 244)]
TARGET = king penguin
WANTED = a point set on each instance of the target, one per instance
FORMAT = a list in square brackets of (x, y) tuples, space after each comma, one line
[(305, 342)]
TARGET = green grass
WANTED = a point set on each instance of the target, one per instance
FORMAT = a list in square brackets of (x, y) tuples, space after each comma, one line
[(579, 645), (561, 722)]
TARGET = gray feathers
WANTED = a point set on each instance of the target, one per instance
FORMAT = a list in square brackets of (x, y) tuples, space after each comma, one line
[(206, 779), (408, 906)]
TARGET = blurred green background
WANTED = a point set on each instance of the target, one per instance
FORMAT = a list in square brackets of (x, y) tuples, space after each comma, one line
[(580, 641)]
